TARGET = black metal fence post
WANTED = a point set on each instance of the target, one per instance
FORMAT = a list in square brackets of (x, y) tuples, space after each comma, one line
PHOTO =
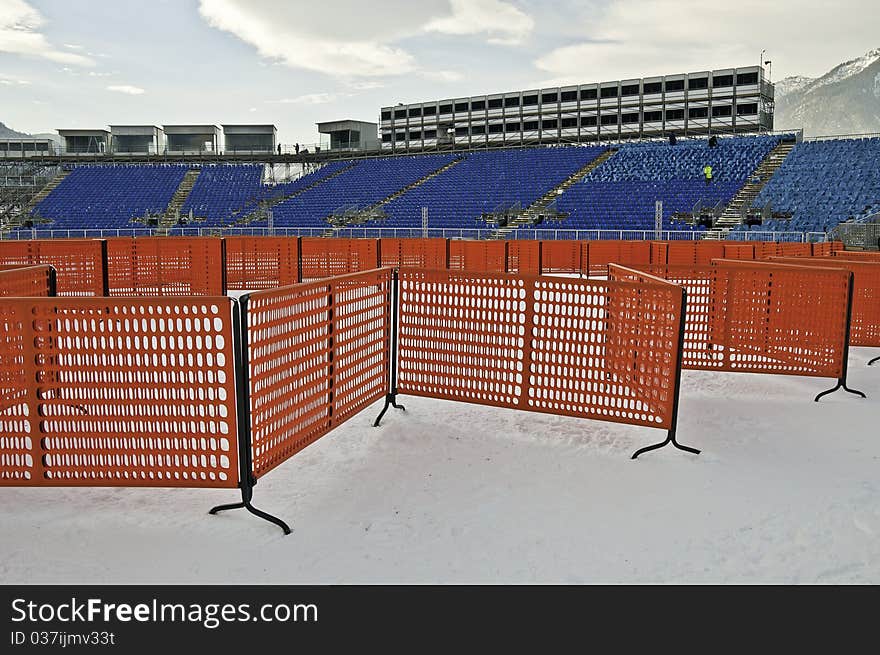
[(246, 478), (391, 397), (841, 382)]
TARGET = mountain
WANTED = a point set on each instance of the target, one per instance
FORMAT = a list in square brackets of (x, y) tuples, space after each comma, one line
[(8, 133), (846, 100)]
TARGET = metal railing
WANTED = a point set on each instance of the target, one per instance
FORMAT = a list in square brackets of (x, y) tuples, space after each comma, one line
[(410, 232)]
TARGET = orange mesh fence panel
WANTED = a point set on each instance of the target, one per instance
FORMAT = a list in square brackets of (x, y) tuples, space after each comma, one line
[(739, 251), (762, 317), (856, 256), (117, 392), (624, 253), (477, 256), (586, 348), (765, 249), (659, 252), (320, 258), (256, 263), (166, 266), (78, 263), (413, 253), (827, 248), (524, 257), (865, 322), (706, 251), (788, 249), (318, 353), (561, 257), (27, 281)]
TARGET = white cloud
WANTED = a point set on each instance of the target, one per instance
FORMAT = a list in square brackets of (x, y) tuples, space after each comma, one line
[(636, 38), (73, 46), (501, 21), (97, 74), (311, 99), (13, 81), (126, 88), (343, 38), (20, 35), (442, 76), (351, 39)]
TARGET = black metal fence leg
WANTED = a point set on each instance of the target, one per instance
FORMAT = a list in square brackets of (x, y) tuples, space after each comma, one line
[(390, 401), (247, 493), (670, 439), (841, 384)]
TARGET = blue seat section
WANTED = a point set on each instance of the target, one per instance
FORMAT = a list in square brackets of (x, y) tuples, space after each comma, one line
[(277, 191), (822, 183), (222, 191), (365, 183), (483, 182), (621, 192), (108, 197)]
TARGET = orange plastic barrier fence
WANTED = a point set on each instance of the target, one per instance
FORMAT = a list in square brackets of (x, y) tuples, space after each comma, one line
[(827, 248), (27, 281), (767, 249), (856, 255), (320, 258), (477, 256), (763, 317), (117, 392), (416, 253), (624, 253), (318, 354), (166, 266), (256, 263), (562, 256), (865, 322), (585, 348), (739, 251), (79, 263), (524, 257)]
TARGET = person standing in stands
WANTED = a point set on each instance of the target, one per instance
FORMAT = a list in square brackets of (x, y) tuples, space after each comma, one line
[(713, 141), (296, 147), (279, 148), (707, 172), (672, 139)]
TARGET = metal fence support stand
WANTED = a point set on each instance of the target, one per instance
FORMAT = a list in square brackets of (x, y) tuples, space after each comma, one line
[(391, 397), (841, 382), (670, 435), (247, 481)]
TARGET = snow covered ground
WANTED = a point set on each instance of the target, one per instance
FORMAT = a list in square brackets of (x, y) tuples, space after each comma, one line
[(786, 491)]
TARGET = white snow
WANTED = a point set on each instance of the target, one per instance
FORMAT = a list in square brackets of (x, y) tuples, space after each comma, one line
[(786, 491), (792, 84), (849, 68)]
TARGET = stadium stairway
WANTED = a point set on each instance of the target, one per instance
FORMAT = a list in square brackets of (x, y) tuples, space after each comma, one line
[(540, 205), (257, 213), (45, 191), (733, 213), (172, 212), (364, 214)]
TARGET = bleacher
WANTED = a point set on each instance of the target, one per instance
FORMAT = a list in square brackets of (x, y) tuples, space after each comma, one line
[(365, 183), (221, 190), (620, 194), (823, 183), (108, 197), (820, 184), (483, 181)]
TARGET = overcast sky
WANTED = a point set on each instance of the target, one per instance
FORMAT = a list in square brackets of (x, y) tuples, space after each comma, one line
[(91, 63)]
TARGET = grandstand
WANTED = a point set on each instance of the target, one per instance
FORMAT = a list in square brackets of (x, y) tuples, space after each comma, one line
[(612, 187)]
